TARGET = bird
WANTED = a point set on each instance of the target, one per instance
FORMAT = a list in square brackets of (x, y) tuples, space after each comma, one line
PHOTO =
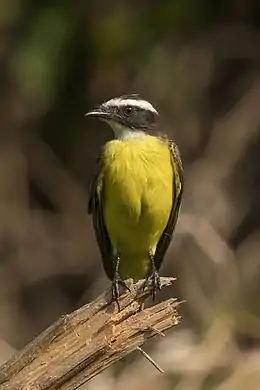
[(135, 192)]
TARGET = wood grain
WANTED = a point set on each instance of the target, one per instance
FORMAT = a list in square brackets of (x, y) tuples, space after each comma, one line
[(82, 344)]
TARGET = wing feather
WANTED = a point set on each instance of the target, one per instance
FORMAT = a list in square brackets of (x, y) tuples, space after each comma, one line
[(95, 207), (178, 182)]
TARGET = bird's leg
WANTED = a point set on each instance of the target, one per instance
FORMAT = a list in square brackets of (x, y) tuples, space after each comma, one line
[(153, 279), (117, 281)]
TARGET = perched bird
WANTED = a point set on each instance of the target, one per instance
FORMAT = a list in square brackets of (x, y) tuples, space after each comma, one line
[(135, 193)]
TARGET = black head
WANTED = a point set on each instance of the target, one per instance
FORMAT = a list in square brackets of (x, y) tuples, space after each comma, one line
[(128, 111)]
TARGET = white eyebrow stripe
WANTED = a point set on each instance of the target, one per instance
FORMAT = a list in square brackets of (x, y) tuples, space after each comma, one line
[(131, 102)]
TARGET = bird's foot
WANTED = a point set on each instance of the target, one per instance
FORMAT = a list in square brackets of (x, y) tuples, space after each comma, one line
[(153, 282), (117, 282)]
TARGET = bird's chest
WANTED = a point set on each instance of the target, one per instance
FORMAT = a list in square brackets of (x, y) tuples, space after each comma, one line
[(138, 181)]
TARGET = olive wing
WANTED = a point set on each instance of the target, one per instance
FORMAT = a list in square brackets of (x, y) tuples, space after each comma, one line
[(95, 207), (178, 183)]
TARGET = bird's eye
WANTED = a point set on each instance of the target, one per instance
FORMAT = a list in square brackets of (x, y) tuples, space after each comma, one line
[(128, 110)]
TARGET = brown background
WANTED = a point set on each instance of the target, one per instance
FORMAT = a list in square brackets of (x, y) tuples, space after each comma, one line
[(198, 62)]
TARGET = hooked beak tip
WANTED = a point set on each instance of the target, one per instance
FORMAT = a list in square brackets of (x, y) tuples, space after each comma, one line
[(93, 113), (98, 113)]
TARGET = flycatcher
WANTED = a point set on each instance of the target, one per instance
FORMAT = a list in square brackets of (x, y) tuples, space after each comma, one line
[(135, 194)]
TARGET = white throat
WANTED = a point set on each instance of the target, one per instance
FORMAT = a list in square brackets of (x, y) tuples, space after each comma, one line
[(122, 132)]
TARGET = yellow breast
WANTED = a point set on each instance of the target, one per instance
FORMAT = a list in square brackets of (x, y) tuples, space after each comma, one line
[(138, 183), (138, 186)]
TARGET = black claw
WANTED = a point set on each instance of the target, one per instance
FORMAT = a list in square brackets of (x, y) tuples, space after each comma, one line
[(117, 282), (153, 279)]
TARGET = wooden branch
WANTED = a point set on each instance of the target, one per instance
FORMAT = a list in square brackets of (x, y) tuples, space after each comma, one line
[(82, 344)]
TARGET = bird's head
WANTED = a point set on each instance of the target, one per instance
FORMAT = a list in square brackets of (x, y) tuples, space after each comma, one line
[(128, 115)]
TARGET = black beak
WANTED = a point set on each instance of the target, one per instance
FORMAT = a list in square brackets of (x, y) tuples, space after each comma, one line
[(100, 113)]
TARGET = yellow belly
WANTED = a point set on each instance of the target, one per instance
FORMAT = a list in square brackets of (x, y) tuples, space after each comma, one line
[(138, 199)]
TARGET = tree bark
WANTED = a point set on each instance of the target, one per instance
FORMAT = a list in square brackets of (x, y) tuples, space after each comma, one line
[(82, 344)]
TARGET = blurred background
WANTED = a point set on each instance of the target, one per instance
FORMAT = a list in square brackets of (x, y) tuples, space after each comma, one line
[(198, 62)]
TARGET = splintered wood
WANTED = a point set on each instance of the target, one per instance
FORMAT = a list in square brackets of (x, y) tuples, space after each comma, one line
[(82, 344)]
